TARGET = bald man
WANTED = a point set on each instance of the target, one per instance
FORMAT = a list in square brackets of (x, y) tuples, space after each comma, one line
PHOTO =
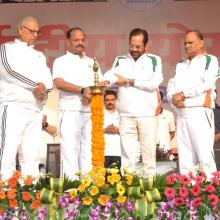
[(25, 80)]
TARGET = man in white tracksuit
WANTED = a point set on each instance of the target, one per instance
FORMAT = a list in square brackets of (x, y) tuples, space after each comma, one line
[(24, 81), (192, 93), (138, 76), (72, 73)]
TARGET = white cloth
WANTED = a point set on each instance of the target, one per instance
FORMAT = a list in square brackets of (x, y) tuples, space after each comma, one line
[(195, 128), (75, 121), (112, 141), (142, 99), (166, 124), (21, 69), (78, 71), (138, 107)]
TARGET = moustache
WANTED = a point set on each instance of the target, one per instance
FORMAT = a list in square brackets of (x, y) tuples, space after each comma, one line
[(80, 45)]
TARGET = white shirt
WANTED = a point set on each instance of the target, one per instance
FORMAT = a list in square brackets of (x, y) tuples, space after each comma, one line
[(21, 69), (78, 71), (166, 124), (112, 141), (142, 99), (196, 82)]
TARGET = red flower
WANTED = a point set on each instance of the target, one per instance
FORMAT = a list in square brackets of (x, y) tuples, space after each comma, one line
[(213, 199), (197, 202), (210, 188), (35, 204), (13, 203), (184, 180), (199, 179), (170, 180), (216, 174), (28, 181), (195, 190), (179, 201), (215, 180), (183, 192), (26, 196), (169, 192), (1, 211), (12, 182)]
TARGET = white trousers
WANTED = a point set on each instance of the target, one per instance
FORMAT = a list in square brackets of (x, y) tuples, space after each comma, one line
[(75, 134), (19, 127), (195, 139), (144, 130)]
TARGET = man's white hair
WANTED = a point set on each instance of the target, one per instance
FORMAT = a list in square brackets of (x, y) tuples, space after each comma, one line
[(25, 20)]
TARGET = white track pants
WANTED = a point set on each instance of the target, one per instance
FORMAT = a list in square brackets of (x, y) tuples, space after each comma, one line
[(195, 139), (19, 127), (75, 131), (143, 129)]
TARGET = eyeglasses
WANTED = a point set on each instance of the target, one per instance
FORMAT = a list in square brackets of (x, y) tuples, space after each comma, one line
[(32, 31)]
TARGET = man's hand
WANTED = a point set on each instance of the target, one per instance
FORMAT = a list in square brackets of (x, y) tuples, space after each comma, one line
[(121, 80), (111, 129), (40, 92), (86, 96), (44, 120), (178, 99), (104, 83)]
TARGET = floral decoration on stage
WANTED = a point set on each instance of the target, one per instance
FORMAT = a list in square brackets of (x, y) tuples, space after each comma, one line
[(164, 153), (98, 142)]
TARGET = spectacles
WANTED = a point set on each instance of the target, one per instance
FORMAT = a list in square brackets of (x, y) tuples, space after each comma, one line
[(32, 31)]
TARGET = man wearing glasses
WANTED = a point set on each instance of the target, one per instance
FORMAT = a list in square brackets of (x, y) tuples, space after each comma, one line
[(138, 76), (192, 92), (25, 80)]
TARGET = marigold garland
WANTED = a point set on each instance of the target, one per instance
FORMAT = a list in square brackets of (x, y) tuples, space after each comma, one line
[(98, 142)]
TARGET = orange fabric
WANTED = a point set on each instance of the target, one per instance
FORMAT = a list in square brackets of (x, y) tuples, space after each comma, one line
[(207, 102)]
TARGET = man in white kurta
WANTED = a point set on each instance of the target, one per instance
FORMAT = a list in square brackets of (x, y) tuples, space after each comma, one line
[(24, 81), (138, 75), (192, 93), (72, 73)]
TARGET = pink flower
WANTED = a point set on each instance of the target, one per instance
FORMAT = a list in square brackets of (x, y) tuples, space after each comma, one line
[(170, 180), (216, 174), (169, 193), (195, 190), (213, 199), (215, 180), (210, 188), (199, 179), (183, 192), (184, 180), (197, 202), (179, 201)]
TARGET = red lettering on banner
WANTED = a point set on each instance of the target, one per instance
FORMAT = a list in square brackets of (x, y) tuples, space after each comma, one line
[(5, 38), (110, 46)]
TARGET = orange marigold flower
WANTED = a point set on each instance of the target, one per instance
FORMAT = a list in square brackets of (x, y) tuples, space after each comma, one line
[(12, 182), (2, 194), (11, 194), (35, 204), (28, 181), (13, 203), (16, 174), (121, 199), (103, 199), (37, 195), (26, 196)]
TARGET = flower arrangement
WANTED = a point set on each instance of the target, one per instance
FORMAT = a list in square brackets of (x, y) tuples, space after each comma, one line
[(18, 197), (98, 142), (163, 153), (190, 197)]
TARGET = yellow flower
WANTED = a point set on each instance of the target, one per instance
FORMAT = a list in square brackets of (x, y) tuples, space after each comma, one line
[(114, 170), (129, 179), (100, 181), (86, 181), (92, 173), (94, 190), (81, 187), (125, 170), (121, 199), (120, 189), (87, 200), (114, 178), (101, 171), (79, 173), (73, 193), (103, 199)]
